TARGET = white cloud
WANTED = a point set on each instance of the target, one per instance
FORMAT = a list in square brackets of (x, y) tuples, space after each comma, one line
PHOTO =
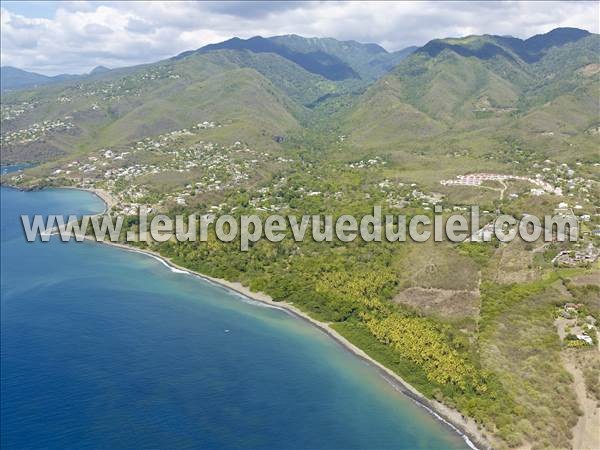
[(82, 35)]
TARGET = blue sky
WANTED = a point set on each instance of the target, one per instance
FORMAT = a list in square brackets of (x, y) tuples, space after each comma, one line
[(32, 9), (73, 37)]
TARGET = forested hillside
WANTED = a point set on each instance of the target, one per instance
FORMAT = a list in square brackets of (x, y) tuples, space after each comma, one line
[(293, 125)]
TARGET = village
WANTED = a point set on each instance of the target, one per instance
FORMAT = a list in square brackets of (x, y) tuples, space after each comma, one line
[(555, 179), (130, 85), (551, 178), (577, 257), (90, 95), (188, 166), (36, 131), (10, 112), (179, 168)]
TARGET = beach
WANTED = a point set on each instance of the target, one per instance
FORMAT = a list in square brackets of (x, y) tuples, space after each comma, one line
[(466, 427), (104, 195), (472, 434), (183, 359)]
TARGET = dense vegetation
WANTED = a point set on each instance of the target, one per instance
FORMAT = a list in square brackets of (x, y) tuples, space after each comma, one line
[(471, 325)]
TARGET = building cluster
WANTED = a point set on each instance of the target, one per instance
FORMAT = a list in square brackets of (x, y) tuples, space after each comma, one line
[(10, 112), (477, 179), (363, 164), (198, 167), (579, 328), (565, 177), (571, 258), (36, 131)]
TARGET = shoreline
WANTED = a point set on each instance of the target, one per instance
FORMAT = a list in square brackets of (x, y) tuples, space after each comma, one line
[(466, 428), (108, 200)]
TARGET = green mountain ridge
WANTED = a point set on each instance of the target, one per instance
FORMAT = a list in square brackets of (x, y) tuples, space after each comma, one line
[(463, 82), (330, 58), (144, 100), (305, 126), (12, 78), (464, 85)]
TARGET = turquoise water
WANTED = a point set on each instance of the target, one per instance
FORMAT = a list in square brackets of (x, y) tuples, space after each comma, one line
[(105, 348)]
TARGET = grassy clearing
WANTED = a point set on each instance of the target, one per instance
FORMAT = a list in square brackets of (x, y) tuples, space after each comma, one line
[(519, 343)]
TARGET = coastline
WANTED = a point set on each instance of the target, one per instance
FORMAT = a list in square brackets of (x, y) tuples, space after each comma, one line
[(105, 196), (465, 427)]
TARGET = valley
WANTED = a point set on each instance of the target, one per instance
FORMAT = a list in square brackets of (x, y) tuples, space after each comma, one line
[(293, 125)]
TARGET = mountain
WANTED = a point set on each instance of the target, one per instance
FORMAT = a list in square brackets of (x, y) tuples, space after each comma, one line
[(318, 62), (459, 83), (369, 61), (291, 78), (293, 124), (334, 60), (12, 78), (279, 84), (487, 47), (536, 46), (99, 69)]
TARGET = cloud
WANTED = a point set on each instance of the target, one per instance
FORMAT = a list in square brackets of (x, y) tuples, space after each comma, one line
[(82, 35), (96, 28), (252, 9), (139, 26)]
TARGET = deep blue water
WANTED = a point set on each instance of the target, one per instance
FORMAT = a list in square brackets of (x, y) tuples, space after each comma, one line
[(105, 348)]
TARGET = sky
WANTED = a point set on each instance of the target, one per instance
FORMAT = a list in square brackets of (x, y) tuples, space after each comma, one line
[(74, 37)]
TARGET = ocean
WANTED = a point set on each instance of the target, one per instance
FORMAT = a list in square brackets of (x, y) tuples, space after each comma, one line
[(105, 348)]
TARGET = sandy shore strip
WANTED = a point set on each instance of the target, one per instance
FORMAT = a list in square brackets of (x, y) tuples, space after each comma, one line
[(104, 195), (465, 427)]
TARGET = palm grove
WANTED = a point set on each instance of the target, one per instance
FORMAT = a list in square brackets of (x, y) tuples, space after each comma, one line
[(318, 126)]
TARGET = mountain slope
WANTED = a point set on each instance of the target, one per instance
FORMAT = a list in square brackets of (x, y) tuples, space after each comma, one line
[(245, 102), (119, 106), (459, 83), (332, 59), (299, 84), (317, 62), (248, 131), (12, 78)]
